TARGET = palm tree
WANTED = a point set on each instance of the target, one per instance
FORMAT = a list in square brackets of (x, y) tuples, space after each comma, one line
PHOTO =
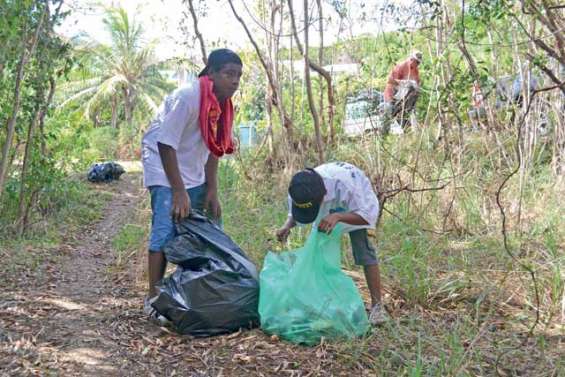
[(121, 75)]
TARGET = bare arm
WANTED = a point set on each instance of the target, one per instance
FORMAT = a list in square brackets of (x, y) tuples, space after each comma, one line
[(328, 223), (290, 223), (181, 201), (212, 202), (211, 170), (170, 164), (283, 232), (352, 218)]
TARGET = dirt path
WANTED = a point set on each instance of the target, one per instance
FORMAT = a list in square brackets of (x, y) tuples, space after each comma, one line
[(72, 316), (68, 311), (61, 317)]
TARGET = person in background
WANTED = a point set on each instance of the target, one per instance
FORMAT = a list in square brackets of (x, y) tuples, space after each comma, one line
[(333, 193), (402, 88), (478, 112), (180, 153)]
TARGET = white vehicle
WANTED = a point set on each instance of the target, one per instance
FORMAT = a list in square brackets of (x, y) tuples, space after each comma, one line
[(360, 114), (357, 120)]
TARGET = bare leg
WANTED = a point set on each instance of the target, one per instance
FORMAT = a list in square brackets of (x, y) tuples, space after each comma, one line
[(373, 277), (156, 264)]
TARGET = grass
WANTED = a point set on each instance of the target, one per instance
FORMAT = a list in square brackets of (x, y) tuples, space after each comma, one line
[(129, 240), (462, 305), (32, 258), (72, 205)]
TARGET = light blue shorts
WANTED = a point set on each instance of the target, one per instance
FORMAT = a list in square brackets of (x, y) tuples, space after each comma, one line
[(162, 226)]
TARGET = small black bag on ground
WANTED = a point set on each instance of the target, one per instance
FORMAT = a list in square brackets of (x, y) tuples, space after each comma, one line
[(105, 172), (215, 288)]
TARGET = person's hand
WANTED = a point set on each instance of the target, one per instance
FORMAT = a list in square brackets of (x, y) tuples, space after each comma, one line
[(282, 233), (212, 205), (181, 204), (329, 222)]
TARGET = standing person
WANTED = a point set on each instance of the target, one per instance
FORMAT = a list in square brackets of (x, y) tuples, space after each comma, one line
[(402, 87), (478, 112), (180, 153), (339, 192)]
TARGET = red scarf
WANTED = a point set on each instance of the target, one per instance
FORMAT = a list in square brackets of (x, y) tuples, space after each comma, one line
[(216, 120)]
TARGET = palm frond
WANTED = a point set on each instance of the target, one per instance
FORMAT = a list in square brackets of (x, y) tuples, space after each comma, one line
[(149, 101), (78, 95), (127, 63)]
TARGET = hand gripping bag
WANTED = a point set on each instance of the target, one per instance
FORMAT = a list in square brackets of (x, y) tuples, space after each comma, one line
[(215, 288), (305, 295)]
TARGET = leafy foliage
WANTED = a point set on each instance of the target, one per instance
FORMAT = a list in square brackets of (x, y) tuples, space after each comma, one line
[(120, 77)]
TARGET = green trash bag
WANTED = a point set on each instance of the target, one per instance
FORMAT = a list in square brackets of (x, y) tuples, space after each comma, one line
[(304, 295)]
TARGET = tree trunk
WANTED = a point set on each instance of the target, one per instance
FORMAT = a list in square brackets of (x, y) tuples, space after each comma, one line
[(114, 121), (197, 32), (275, 8), (268, 67), (321, 64), (39, 118), (27, 152), (11, 125), (313, 110), (292, 83), (129, 106), (52, 86), (320, 70)]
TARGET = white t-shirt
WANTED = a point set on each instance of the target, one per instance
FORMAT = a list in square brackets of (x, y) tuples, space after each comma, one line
[(176, 125), (348, 190)]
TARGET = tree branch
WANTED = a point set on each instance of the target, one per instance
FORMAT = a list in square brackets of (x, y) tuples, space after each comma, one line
[(316, 67), (197, 32), (267, 66)]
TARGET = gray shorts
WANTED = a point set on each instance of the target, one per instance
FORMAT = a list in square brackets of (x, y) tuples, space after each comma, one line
[(363, 252)]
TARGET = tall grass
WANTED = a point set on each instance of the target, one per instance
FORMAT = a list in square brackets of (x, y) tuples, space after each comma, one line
[(439, 247)]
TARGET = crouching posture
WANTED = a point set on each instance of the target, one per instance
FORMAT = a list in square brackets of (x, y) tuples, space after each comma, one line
[(333, 193)]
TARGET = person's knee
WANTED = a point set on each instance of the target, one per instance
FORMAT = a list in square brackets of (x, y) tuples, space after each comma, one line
[(156, 254), (364, 253), (366, 259), (160, 234), (162, 227)]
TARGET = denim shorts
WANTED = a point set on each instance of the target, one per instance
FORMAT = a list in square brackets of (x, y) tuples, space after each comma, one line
[(162, 226)]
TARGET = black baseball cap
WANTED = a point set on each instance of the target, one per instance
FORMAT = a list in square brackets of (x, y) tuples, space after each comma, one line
[(307, 192), (218, 58)]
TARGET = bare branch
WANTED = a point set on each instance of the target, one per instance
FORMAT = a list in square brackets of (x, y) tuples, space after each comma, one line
[(313, 110), (197, 32), (267, 66), (317, 68), (548, 72), (504, 231)]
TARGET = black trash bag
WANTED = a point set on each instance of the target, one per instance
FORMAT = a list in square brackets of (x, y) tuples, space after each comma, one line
[(105, 172), (215, 288)]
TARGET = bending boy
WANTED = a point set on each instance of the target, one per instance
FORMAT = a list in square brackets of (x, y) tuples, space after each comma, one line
[(339, 192)]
